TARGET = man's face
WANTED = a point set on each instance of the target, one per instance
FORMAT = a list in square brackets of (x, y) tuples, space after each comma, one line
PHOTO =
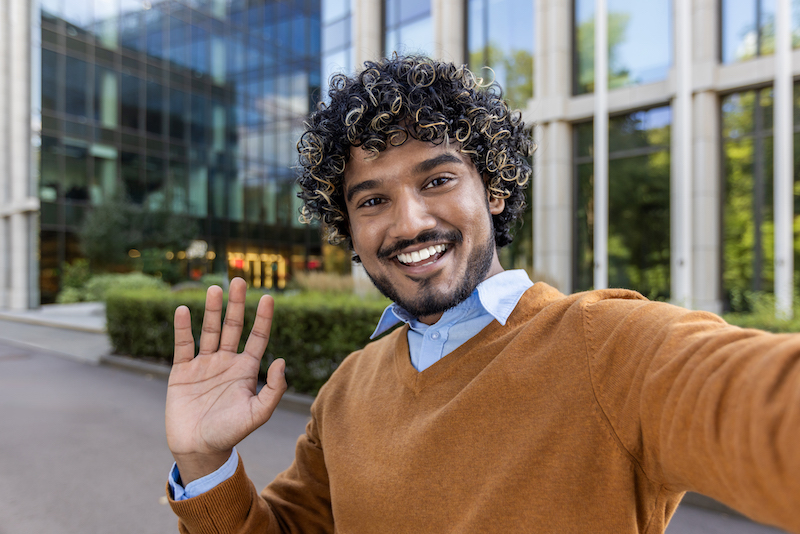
[(420, 220)]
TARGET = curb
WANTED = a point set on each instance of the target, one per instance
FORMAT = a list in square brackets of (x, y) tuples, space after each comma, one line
[(51, 324), (296, 402)]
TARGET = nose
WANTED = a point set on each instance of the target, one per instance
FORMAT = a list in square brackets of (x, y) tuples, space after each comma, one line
[(412, 215)]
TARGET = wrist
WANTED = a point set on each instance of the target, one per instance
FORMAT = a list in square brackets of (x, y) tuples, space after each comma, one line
[(193, 466)]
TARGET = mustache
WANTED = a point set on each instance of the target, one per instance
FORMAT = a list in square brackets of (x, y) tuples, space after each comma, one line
[(431, 236)]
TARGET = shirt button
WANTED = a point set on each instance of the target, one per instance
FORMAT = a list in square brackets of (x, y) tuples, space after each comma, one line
[(435, 335)]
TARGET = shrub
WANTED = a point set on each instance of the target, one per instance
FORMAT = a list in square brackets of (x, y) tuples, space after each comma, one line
[(313, 332), (762, 314)]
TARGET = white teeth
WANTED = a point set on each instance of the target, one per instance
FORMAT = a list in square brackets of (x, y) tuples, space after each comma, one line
[(421, 255)]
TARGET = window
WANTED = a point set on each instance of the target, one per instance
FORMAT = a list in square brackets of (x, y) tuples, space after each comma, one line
[(639, 203), (748, 28), (639, 43), (500, 36), (408, 27), (747, 214)]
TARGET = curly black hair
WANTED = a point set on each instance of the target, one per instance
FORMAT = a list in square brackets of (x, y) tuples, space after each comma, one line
[(428, 100)]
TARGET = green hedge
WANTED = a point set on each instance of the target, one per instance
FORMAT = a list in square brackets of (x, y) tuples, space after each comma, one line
[(312, 332)]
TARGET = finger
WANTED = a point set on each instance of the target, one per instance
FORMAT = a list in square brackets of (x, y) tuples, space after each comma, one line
[(234, 316), (184, 342), (271, 393), (209, 337), (259, 337)]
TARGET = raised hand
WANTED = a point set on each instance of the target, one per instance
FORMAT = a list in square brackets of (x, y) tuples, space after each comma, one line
[(212, 402)]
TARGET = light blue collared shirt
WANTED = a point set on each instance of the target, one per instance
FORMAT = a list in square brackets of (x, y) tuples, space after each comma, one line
[(494, 299)]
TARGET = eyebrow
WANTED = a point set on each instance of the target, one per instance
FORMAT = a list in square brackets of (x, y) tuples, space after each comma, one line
[(423, 166)]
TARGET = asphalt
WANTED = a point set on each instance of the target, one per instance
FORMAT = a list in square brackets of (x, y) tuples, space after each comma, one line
[(59, 375)]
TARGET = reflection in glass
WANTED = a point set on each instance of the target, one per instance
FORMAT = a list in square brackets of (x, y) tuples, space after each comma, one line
[(501, 36), (639, 201), (639, 43), (104, 183), (748, 229), (106, 101), (408, 27), (75, 87), (154, 112), (129, 101), (748, 28), (50, 169), (130, 165), (49, 80), (75, 181)]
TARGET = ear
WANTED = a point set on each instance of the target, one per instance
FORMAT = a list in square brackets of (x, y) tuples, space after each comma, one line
[(496, 205)]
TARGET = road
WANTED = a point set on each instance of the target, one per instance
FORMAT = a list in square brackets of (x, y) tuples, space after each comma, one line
[(84, 452)]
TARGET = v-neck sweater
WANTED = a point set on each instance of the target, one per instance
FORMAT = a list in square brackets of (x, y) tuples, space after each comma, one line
[(585, 413)]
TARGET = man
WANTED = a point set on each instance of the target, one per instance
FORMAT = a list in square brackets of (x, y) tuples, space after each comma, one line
[(502, 406)]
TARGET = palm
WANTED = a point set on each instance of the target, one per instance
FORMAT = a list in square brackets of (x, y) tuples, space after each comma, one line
[(212, 401)]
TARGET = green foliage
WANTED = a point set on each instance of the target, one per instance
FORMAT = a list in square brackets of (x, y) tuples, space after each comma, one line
[(97, 287), (76, 274), (111, 229), (312, 332), (761, 313)]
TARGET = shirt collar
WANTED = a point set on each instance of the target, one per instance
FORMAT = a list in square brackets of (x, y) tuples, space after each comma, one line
[(497, 295)]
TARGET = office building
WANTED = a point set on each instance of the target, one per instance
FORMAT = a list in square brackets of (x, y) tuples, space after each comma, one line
[(665, 165), (189, 107)]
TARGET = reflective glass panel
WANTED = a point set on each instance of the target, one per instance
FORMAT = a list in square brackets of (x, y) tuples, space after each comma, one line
[(75, 87), (748, 228), (639, 43), (106, 97), (154, 113), (129, 101), (49, 80), (639, 203), (501, 36)]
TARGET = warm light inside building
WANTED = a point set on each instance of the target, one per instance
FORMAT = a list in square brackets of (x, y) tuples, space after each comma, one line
[(259, 269)]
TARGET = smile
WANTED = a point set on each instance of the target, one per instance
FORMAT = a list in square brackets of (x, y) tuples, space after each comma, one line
[(421, 255)]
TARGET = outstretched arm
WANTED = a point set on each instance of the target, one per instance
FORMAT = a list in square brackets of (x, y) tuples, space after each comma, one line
[(212, 400)]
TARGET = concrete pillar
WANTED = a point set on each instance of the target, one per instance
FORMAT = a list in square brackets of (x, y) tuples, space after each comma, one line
[(681, 167), (552, 180), (706, 206), (18, 206), (783, 161), (367, 31), (600, 144), (449, 27), (5, 187), (553, 209)]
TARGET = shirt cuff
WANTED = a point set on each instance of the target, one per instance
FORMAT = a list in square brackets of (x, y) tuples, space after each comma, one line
[(204, 484)]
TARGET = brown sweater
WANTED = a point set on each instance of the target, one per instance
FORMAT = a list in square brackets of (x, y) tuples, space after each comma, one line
[(587, 413)]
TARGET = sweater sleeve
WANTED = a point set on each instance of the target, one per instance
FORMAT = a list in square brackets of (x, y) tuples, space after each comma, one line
[(701, 405), (298, 501)]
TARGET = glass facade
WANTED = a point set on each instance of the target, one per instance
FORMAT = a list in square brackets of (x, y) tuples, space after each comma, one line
[(639, 43), (638, 201), (748, 226), (192, 107), (748, 28), (408, 27), (337, 41), (500, 35)]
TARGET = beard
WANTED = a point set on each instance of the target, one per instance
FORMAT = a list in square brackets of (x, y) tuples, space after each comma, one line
[(425, 301)]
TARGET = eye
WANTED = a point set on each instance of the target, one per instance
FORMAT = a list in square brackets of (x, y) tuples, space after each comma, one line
[(371, 202), (437, 182)]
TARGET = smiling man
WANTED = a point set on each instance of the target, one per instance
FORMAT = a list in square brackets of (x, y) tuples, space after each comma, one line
[(500, 405)]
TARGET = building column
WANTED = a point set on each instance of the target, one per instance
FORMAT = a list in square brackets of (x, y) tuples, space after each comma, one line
[(783, 162), (553, 209), (367, 31), (5, 187), (706, 205), (20, 208), (449, 27), (681, 212), (552, 177), (600, 145)]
